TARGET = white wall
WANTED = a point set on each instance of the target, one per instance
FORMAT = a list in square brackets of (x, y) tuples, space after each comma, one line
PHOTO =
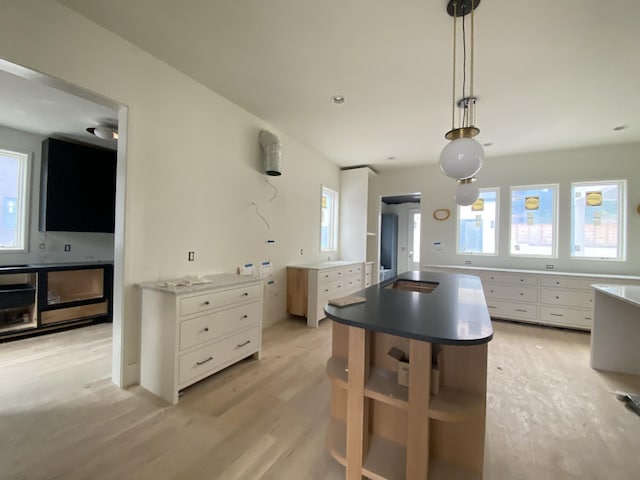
[(563, 166), (193, 161), (85, 247)]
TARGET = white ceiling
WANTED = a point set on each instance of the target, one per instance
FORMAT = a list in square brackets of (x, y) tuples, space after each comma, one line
[(549, 74), (38, 108)]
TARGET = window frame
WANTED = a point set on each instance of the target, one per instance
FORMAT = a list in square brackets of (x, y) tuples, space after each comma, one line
[(333, 222), (23, 214), (622, 216), (496, 228), (556, 205)]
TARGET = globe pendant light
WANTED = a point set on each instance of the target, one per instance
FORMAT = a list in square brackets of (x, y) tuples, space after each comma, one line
[(467, 192), (463, 157)]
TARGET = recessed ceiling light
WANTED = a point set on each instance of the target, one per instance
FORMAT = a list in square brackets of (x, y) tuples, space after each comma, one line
[(391, 158), (488, 144), (337, 99), (620, 127)]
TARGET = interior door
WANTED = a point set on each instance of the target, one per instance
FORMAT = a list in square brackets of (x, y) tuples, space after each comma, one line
[(413, 262)]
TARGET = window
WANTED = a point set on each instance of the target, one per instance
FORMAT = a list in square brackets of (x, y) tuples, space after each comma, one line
[(597, 220), (478, 224), (533, 220), (14, 168), (329, 221)]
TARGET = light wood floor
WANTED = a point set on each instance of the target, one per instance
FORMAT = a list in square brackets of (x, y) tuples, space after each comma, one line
[(550, 416)]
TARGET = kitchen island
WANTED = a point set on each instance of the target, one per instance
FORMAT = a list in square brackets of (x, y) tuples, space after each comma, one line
[(616, 329), (428, 429)]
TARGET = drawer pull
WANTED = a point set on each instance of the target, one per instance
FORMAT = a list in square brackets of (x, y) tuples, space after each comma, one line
[(245, 294), (557, 283), (587, 318), (204, 361), (244, 316), (240, 345), (206, 329), (557, 298), (522, 279), (521, 310), (491, 306), (492, 291), (207, 303), (557, 315), (326, 289), (521, 293)]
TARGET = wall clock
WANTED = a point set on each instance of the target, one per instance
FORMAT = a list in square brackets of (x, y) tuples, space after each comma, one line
[(441, 214)]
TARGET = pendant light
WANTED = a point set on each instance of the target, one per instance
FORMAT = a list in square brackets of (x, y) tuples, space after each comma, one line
[(463, 157)]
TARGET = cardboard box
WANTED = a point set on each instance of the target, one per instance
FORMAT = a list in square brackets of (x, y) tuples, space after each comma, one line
[(403, 365)]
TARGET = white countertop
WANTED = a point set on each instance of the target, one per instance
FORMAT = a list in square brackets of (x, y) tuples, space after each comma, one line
[(627, 293), (536, 272), (200, 283), (328, 264)]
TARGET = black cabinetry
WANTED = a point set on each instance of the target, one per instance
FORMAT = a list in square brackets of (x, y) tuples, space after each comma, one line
[(37, 298)]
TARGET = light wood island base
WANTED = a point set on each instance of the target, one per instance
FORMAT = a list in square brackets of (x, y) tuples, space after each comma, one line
[(382, 430)]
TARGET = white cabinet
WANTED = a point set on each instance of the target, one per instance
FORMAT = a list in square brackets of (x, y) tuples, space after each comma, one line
[(191, 332), (311, 286), (550, 298), (359, 215)]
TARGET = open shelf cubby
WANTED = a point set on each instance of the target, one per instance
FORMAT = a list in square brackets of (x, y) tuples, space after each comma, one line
[(398, 427)]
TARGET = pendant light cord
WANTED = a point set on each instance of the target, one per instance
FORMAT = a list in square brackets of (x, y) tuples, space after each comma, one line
[(465, 117)]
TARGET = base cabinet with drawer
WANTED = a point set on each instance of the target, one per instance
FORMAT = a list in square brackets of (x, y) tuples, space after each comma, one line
[(548, 298), (191, 332), (311, 286)]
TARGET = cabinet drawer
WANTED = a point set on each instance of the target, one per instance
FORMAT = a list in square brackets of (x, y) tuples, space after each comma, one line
[(214, 355), (566, 316), (566, 282), (211, 300), (352, 284), (330, 290), (205, 329), (505, 292), (567, 298), (326, 276), (517, 311), (355, 271), (510, 278)]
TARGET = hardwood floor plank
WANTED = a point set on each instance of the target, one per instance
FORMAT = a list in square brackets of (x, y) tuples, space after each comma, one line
[(549, 415)]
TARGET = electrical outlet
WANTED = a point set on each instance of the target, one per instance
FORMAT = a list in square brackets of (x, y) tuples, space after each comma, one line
[(67, 247), (192, 256)]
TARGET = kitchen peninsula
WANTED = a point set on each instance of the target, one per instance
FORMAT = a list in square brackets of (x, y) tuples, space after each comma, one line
[(429, 429)]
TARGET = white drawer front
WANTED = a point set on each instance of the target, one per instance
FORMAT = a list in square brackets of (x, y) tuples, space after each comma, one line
[(567, 282), (517, 311), (326, 276), (208, 327), (354, 271), (212, 356), (510, 278), (566, 316), (352, 284), (331, 290), (505, 292), (211, 300), (568, 298)]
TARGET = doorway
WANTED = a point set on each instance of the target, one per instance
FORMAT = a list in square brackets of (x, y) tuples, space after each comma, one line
[(400, 241), (65, 110)]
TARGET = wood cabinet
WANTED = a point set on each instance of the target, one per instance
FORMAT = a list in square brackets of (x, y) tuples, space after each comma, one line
[(548, 298), (35, 298), (311, 286), (191, 332), (392, 426)]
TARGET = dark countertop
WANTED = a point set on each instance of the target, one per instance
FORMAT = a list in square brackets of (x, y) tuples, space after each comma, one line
[(455, 313), (34, 267)]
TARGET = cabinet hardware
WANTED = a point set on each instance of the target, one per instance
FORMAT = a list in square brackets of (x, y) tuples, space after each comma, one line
[(557, 298), (521, 310), (245, 316), (207, 302), (204, 361), (243, 344), (206, 329), (491, 306), (557, 315), (245, 294), (522, 279), (521, 293)]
